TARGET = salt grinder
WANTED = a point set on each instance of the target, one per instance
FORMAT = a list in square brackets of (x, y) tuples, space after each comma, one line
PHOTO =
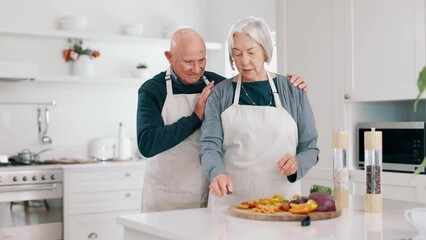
[(340, 168), (373, 171)]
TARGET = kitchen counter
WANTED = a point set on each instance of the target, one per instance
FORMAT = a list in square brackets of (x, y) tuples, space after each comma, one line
[(216, 224), (106, 164)]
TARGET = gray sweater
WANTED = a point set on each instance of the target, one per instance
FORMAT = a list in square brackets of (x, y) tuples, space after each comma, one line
[(294, 100)]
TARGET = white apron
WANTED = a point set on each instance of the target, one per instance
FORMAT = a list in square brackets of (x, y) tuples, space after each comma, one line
[(174, 178), (255, 139)]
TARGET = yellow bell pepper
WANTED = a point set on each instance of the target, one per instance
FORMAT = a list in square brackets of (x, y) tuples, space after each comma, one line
[(278, 198), (307, 207)]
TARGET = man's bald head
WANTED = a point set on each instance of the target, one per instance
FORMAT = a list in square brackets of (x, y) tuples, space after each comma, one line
[(185, 37), (187, 55)]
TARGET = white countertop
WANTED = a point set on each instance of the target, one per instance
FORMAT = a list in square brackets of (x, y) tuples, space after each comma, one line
[(105, 164), (216, 224)]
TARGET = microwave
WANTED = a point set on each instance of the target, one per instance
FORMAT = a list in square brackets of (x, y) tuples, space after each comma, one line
[(403, 145)]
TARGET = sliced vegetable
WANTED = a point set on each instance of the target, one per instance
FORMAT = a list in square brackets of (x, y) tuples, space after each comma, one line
[(278, 198), (307, 207), (299, 199), (266, 201), (285, 206), (320, 188), (324, 200), (242, 206)]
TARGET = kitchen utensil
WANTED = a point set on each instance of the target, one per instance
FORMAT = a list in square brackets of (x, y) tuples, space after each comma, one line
[(39, 119), (306, 222), (26, 156), (45, 138), (340, 168)]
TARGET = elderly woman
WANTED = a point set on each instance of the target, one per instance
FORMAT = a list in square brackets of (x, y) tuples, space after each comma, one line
[(258, 136)]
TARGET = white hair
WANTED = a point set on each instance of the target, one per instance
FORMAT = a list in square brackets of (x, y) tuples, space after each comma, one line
[(258, 30)]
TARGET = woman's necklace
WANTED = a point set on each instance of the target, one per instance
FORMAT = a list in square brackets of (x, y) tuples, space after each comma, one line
[(251, 100)]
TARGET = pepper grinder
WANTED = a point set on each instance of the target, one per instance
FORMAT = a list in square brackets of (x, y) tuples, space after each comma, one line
[(340, 168), (373, 171)]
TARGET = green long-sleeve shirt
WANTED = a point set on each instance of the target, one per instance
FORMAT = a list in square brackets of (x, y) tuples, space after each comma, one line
[(153, 135)]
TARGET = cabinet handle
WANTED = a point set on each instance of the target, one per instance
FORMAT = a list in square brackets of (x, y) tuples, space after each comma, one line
[(93, 236), (128, 194), (347, 96), (127, 174)]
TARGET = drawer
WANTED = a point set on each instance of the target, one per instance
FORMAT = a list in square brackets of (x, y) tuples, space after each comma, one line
[(83, 203), (95, 226), (99, 181)]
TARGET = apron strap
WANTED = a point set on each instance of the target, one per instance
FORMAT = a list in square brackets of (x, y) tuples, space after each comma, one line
[(206, 81), (169, 82), (237, 90), (274, 91)]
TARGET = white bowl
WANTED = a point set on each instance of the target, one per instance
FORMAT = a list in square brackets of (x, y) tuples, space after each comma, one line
[(132, 30), (72, 23)]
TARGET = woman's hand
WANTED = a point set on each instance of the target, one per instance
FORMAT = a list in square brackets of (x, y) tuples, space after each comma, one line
[(221, 185), (298, 81), (287, 165)]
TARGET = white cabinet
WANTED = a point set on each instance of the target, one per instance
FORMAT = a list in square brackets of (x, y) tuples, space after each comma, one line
[(397, 186), (95, 194), (385, 49)]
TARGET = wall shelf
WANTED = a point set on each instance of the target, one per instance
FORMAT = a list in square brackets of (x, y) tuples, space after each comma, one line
[(90, 80), (100, 37)]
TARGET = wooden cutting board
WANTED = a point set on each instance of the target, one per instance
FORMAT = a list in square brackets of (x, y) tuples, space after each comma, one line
[(70, 161), (281, 216)]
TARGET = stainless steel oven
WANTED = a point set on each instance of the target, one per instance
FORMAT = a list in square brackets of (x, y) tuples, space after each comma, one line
[(31, 203)]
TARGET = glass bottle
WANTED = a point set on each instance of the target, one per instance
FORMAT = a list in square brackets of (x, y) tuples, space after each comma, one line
[(120, 142), (340, 168), (373, 171)]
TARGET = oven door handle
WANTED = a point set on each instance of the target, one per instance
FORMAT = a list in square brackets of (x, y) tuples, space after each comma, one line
[(24, 188)]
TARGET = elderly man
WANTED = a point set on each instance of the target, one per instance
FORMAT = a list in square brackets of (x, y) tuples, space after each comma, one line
[(170, 112)]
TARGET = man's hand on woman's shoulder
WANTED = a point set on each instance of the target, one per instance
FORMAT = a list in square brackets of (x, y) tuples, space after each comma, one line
[(298, 81)]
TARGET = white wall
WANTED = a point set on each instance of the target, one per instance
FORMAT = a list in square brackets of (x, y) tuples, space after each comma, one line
[(223, 14), (84, 111)]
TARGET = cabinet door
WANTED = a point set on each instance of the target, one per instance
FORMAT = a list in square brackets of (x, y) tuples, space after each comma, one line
[(103, 190), (385, 48), (101, 202), (100, 180), (396, 186)]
